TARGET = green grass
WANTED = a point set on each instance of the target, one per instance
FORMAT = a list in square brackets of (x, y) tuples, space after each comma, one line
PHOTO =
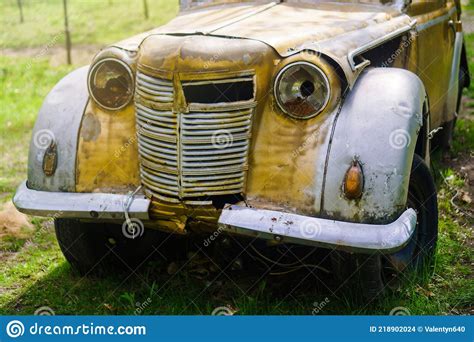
[(91, 22), (24, 83), (37, 275), (33, 272)]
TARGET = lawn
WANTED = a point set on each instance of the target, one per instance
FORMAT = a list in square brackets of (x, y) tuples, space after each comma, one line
[(90, 22), (33, 272)]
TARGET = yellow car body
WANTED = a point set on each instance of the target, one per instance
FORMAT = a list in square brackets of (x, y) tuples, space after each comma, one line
[(408, 53)]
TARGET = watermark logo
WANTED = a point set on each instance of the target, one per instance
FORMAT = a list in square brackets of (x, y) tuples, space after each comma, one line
[(44, 311), (207, 242), (222, 311), (310, 228), (390, 237), (140, 307), (43, 138), (400, 311), (222, 139), (399, 139), (133, 228), (15, 329), (318, 307)]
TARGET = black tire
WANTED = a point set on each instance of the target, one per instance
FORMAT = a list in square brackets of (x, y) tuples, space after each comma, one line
[(97, 248), (375, 274)]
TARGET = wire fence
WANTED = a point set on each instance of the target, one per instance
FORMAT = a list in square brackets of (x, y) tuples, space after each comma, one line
[(68, 41)]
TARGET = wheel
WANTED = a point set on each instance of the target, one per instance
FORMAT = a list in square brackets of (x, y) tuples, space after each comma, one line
[(95, 248), (377, 273)]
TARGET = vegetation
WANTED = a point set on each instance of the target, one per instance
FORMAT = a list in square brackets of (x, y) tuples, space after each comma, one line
[(33, 272), (90, 22)]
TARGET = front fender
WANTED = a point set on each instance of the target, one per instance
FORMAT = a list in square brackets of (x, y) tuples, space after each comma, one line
[(59, 120), (378, 125)]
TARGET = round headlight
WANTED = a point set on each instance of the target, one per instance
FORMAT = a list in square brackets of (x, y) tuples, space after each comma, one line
[(111, 83), (302, 90)]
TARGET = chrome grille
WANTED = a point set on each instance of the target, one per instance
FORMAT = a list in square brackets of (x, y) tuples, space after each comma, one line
[(157, 145), (186, 156), (214, 152), (154, 89)]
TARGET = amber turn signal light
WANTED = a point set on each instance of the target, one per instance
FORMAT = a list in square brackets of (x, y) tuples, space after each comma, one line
[(50, 159), (354, 181)]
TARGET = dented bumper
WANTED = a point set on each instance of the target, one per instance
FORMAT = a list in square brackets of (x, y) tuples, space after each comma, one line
[(291, 228), (78, 205), (259, 223)]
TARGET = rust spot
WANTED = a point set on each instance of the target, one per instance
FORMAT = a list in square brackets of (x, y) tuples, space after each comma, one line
[(90, 127)]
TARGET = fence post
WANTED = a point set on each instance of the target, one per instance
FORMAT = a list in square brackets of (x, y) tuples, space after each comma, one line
[(145, 7), (66, 31), (20, 6)]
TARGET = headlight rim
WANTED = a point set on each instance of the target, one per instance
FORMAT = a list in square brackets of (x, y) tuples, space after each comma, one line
[(130, 73), (320, 71)]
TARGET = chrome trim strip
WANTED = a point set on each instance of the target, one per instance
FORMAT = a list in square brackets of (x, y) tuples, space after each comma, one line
[(453, 89), (376, 42), (436, 21), (78, 205), (219, 81), (292, 228)]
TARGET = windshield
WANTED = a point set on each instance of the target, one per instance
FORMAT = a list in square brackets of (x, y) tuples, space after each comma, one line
[(185, 4)]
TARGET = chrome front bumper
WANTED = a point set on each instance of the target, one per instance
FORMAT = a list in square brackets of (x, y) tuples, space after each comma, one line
[(259, 223), (291, 228), (79, 205)]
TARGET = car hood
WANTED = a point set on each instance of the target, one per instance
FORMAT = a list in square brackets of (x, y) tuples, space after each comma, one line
[(333, 29)]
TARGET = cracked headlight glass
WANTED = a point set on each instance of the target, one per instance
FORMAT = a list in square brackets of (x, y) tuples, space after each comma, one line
[(302, 90), (111, 83)]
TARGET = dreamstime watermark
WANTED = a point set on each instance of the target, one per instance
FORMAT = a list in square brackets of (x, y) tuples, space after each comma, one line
[(388, 238), (140, 307), (399, 139), (310, 228), (207, 242), (44, 227), (318, 307), (400, 311), (218, 52), (131, 141), (222, 311), (73, 16), (43, 138), (44, 311), (222, 139), (15, 329), (404, 44), (45, 49), (133, 228), (304, 146)]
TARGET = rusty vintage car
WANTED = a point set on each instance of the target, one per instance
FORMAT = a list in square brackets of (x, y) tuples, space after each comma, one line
[(298, 122)]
